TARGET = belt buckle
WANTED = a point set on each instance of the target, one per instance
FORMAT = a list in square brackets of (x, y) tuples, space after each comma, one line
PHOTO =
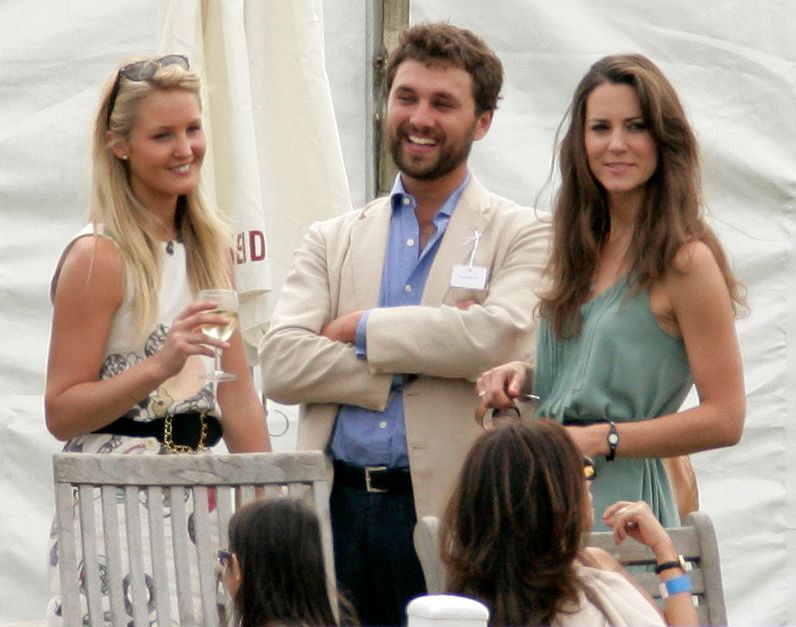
[(368, 487)]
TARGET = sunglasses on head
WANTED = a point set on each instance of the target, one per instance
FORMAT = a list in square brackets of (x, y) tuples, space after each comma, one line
[(142, 71), (223, 557), (589, 471)]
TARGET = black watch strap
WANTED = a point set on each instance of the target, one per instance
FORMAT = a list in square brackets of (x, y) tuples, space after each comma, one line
[(678, 563), (613, 441)]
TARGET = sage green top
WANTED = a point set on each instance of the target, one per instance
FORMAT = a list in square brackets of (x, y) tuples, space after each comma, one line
[(623, 367)]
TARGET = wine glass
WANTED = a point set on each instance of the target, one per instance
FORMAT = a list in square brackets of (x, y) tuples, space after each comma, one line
[(227, 307)]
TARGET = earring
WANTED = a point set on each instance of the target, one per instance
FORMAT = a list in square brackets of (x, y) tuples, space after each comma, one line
[(123, 157)]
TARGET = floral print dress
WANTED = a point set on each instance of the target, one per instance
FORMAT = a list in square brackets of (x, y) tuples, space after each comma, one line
[(186, 392)]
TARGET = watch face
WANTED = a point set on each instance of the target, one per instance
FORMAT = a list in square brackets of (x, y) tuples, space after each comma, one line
[(613, 438)]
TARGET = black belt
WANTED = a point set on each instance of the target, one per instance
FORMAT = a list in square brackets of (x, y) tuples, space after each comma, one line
[(378, 479), (186, 430)]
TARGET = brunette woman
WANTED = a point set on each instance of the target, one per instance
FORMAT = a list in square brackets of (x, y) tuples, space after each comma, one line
[(274, 568), (642, 300), (512, 538)]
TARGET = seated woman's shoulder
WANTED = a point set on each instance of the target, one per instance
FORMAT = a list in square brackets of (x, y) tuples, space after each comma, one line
[(595, 557)]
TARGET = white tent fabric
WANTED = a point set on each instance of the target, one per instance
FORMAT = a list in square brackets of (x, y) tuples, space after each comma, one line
[(214, 37), (254, 55), (733, 63)]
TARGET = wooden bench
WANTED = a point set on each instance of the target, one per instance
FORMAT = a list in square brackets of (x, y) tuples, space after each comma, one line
[(695, 541)]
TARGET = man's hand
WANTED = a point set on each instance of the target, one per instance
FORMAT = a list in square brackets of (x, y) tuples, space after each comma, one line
[(344, 328)]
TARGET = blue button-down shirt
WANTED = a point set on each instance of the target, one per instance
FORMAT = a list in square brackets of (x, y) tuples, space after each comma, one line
[(378, 438)]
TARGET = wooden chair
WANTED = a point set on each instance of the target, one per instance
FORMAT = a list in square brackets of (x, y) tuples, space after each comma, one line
[(110, 504), (427, 549), (695, 541)]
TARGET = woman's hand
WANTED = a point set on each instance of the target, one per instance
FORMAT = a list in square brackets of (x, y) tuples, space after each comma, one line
[(500, 386), (637, 521), (185, 338)]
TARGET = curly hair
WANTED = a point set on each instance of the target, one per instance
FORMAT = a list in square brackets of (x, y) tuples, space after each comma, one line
[(442, 43)]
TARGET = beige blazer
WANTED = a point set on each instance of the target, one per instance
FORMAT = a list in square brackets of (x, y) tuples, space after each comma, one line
[(338, 270)]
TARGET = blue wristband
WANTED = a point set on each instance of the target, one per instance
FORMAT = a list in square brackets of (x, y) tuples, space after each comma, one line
[(675, 586)]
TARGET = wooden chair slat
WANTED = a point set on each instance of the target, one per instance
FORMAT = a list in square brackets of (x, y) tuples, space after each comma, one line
[(65, 514), (207, 573), (188, 470), (247, 494), (138, 590), (92, 581), (109, 495), (154, 496), (182, 572), (224, 501), (180, 542)]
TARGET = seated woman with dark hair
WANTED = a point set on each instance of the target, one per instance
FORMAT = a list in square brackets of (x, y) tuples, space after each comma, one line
[(512, 537), (274, 568)]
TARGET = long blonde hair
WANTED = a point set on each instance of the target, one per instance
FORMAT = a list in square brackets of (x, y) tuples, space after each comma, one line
[(120, 215)]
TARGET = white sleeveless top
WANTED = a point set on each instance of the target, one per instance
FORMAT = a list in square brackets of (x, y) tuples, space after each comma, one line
[(185, 392)]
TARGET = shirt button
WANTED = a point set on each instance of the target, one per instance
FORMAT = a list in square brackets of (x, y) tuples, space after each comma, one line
[(406, 200), (410, 242), (407, 288), (383, 424)]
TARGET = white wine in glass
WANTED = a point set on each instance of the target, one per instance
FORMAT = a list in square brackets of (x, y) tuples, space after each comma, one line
[(227, 307)]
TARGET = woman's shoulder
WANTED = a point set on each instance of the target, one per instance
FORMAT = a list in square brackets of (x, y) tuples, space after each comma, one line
[(596, 558), (92, 257), (618, 601), (693, 255)]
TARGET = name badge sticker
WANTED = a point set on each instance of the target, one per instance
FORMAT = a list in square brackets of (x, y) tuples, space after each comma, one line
[(469, 277)]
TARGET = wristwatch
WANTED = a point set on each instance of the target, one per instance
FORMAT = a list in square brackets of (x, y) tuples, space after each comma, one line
[(613, 441), (678, 563)]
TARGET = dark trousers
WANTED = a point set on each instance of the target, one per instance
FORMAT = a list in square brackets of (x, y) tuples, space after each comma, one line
[(377, 567)]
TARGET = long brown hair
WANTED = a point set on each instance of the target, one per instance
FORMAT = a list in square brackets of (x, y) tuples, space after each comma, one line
[(670, 216), (512, 529)]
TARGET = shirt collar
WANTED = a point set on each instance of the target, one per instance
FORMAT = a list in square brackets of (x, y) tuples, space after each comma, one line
[(398, 193)]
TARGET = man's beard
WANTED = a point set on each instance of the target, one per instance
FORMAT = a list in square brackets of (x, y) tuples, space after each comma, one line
[(449, 158)]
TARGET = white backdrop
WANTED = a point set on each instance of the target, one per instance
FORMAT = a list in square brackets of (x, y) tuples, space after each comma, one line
[(734, 64)]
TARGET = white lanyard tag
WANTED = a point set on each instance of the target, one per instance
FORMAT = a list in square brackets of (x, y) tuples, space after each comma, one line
[(469, 276)]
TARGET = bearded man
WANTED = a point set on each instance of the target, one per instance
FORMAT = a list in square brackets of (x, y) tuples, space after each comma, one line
[(392, 311)]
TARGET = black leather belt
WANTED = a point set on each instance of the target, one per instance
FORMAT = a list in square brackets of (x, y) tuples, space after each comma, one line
[(377, 479), (186, 429)]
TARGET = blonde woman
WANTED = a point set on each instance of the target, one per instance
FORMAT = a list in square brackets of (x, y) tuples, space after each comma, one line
[(127, 355)]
